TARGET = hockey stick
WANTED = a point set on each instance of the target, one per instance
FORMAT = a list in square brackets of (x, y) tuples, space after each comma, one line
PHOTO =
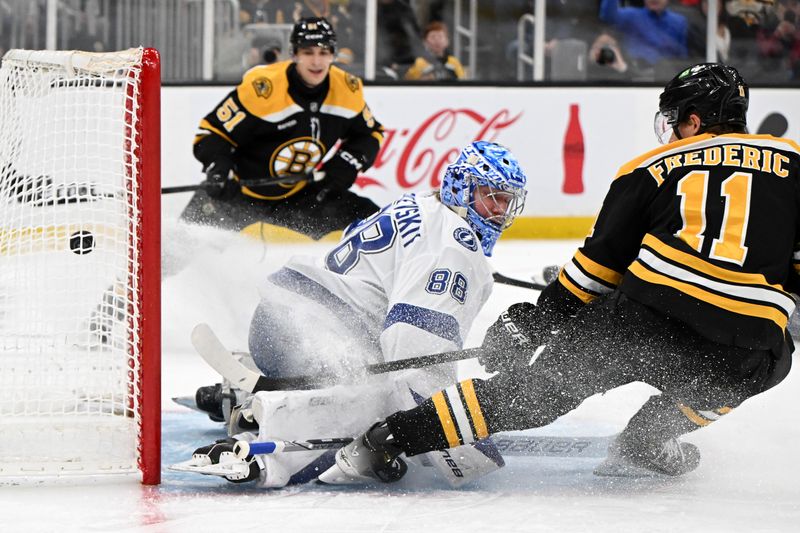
[(505, 280), (288, 179), (507, 445), (222, 360)]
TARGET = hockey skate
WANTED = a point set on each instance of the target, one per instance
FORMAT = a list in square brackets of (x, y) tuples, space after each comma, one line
[(219, 459), (369, 457), (218, 400), (632, 459)]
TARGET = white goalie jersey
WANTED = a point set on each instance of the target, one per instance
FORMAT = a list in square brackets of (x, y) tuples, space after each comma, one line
[(412, 277)]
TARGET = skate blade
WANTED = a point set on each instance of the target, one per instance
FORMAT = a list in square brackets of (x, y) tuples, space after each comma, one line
[(336, 476), (212, 470), (187, 401), (617, 469), (222, 469)]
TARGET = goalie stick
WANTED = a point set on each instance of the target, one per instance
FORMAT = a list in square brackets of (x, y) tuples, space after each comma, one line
[(208, 345), (507, 445)]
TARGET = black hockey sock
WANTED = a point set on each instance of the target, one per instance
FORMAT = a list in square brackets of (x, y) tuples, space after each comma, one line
[(418, 430)]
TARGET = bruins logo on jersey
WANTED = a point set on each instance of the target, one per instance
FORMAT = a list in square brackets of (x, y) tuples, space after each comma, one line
[(296, 156), (263, 87), (351, 81)]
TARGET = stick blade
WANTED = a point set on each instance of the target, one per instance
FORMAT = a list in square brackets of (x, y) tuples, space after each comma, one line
[(208, 345)]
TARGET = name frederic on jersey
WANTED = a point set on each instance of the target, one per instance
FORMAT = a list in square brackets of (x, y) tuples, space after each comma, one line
[(409, 222)]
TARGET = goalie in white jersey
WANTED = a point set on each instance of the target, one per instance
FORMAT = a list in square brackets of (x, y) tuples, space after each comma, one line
[(407, 281)]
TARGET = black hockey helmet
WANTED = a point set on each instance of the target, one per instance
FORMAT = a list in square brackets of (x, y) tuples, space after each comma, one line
[(313, 31), (715, 92)]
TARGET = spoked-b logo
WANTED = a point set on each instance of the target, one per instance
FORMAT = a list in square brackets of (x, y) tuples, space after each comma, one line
[(297, 156)]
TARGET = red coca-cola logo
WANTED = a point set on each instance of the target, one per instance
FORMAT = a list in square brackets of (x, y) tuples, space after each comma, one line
[(417, 157)]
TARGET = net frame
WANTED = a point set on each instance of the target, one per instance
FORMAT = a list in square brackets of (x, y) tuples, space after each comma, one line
[(132, 306)]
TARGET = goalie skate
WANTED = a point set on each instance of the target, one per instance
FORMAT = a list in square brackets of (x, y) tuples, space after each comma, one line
[(220, 459), (229, 467)]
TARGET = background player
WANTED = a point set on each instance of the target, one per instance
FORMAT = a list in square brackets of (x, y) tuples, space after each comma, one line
[(683, 284), (283, 120), (405, 282)]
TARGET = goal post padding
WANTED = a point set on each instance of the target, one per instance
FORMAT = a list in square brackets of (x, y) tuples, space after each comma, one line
[(80, 263)]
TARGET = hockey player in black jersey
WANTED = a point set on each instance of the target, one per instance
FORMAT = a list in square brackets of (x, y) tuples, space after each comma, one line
[(282, 121), (683, 283)]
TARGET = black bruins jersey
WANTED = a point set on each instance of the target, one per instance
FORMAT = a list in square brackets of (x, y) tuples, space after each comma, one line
[(704, 230), (270, 125)]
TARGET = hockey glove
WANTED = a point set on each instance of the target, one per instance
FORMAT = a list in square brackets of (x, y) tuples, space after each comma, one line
[(510, 341), (221, 452), (219, 176), (341, 170)]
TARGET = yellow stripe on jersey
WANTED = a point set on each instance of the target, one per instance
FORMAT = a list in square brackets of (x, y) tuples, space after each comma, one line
[(474, 409), (206, 125), (758, 152), (294, 190), (448, 426), (774, 141), (729, 304), (692, 415), (632, 165), (697, 263), (597, 270), (264, 90), (579, 293), (345, 96)]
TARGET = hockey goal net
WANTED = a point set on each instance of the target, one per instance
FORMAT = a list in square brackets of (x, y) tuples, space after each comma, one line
[(79, 264)]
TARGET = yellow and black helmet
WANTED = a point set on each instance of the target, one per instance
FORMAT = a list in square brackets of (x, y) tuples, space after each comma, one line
[(313, 31)]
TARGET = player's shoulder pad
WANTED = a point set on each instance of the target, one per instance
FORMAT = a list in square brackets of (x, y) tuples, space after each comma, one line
[(264, 91), (346, 94), (657, 153)]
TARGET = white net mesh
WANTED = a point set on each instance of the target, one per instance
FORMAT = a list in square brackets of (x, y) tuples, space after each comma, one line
[(69, 367)]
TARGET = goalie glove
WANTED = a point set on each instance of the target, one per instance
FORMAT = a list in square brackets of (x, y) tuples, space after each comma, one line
[(511, 339)]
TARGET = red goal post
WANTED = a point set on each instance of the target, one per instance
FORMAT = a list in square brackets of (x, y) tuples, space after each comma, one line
[(80, 309)]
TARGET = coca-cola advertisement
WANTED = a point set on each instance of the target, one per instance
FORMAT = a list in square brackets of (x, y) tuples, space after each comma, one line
[(569, 141)]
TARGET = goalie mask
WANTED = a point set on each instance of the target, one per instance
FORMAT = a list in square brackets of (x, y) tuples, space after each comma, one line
[(713, 91), (486, 187)]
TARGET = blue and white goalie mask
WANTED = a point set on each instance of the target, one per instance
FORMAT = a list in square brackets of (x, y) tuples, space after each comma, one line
[(486, 187)]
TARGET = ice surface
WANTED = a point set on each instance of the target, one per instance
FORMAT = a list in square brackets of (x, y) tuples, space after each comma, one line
[(747, 481)]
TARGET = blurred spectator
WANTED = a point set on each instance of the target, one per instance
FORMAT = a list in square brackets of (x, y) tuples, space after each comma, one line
[(651, 34), (264, 50), (398, 37), (436, 63), (782, 43), (606, 60), (754, 53), (697, 16), (567, 21)]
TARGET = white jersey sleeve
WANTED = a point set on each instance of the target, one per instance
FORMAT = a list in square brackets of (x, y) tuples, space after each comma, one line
[(439, 287)]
